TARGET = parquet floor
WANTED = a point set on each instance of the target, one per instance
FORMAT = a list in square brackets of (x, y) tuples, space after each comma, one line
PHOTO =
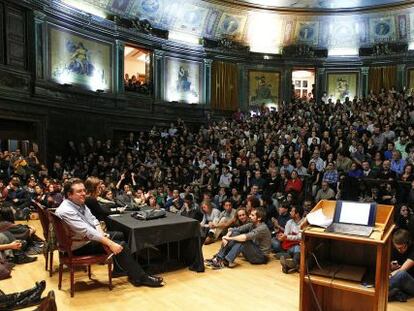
[(245, 287)]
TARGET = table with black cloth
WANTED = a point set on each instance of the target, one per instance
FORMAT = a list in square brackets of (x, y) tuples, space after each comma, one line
[(173, 228)]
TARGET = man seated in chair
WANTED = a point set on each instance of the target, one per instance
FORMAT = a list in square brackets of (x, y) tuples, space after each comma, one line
[(91, 240), (253, 240)]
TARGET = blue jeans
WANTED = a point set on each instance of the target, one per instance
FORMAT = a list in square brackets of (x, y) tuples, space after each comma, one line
[(403, 281), (293, 251), (249, 249)]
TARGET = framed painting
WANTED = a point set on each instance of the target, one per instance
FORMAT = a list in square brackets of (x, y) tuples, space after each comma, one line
[(382, 29), (264, 87), (75, 59), (342, 85), (182, 81), (307, 32), (411, 79)]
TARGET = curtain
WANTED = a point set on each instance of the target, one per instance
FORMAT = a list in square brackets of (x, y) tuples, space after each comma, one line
[(382, 77), (224, 86), (389, 77)]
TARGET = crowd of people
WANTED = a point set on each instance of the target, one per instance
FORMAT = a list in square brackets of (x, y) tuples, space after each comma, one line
[(249, 179), (133, 84)]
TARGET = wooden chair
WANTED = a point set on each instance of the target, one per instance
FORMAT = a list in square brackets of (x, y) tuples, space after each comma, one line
[(64, 238), (44, 217)]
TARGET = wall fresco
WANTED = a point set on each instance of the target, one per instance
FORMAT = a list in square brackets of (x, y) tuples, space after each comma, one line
[(215, 19)]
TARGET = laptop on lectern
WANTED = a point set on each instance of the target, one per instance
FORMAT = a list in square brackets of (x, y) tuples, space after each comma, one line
[(354, 218)]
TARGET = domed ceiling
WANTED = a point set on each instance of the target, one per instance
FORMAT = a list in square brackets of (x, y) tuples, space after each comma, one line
[(327, 24), (318, 4)]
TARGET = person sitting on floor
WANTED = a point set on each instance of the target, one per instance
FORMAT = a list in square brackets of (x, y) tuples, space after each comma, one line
[(253, 240), (225, 219), (210, 219), (91, 240), (401, 285), (11, 250), (240, 218), (280, 222), (289, 241)]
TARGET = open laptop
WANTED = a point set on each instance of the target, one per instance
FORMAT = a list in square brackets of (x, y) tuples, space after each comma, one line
[(353, 218)]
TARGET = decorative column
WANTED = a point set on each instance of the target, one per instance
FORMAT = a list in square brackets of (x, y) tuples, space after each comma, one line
[(206, 99), (244, 88), (321, 85), (364, 81), (40, 44), (286, 91), (119, 87), (158, 70), (401, 77)]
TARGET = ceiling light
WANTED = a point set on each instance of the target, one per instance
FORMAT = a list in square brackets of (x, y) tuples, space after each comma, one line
[(128, 50), (183, 37), (343, 52)]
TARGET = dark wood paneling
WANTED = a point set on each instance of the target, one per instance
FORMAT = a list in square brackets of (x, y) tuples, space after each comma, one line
[(2, 30), (16, 37)]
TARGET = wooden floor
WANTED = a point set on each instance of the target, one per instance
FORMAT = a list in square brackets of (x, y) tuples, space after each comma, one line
[(245, 287)]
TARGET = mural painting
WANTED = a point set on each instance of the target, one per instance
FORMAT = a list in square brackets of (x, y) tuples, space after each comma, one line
[(182, 81), (232, 25), (191, 18), (120, 5), (342, 85), (411, 79), (307, 32), (75, 59), (381, 29), (264, 87)]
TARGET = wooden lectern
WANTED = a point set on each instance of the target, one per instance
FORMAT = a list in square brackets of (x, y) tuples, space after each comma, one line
[(335, 294)]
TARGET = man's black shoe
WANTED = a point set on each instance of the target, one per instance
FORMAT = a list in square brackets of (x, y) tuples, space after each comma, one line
[(149, 281)]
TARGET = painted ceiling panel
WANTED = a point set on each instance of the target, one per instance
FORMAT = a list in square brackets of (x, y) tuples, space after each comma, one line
[(319, 4), (269, 30)]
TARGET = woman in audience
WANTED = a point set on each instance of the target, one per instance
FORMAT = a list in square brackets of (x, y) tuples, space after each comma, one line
[(355, 171), (405, 219), (377, 163), (93, 190), (314, 179), (294, 184), (107, 198), (152, 202)]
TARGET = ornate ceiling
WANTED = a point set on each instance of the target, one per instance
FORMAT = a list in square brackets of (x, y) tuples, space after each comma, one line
[(318, 5), (318, 24)]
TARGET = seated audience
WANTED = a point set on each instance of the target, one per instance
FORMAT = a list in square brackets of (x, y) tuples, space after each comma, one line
[(289, 241), (253, 240), (325, 193), (225, 219), (210, 219)]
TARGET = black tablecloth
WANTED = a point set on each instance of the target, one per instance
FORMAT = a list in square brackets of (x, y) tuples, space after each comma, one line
[(172, 228)]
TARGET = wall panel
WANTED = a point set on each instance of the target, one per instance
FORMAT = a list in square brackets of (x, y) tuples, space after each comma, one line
[(16, 37), (2, 33)]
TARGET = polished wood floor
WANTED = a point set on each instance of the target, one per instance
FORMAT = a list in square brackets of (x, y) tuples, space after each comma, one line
[(245, 287)]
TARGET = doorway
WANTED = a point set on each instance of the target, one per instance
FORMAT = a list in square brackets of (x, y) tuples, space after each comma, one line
[(303, 84), (18, 135)]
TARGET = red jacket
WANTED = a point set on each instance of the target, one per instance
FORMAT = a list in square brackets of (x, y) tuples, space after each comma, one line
[(294, 185)]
